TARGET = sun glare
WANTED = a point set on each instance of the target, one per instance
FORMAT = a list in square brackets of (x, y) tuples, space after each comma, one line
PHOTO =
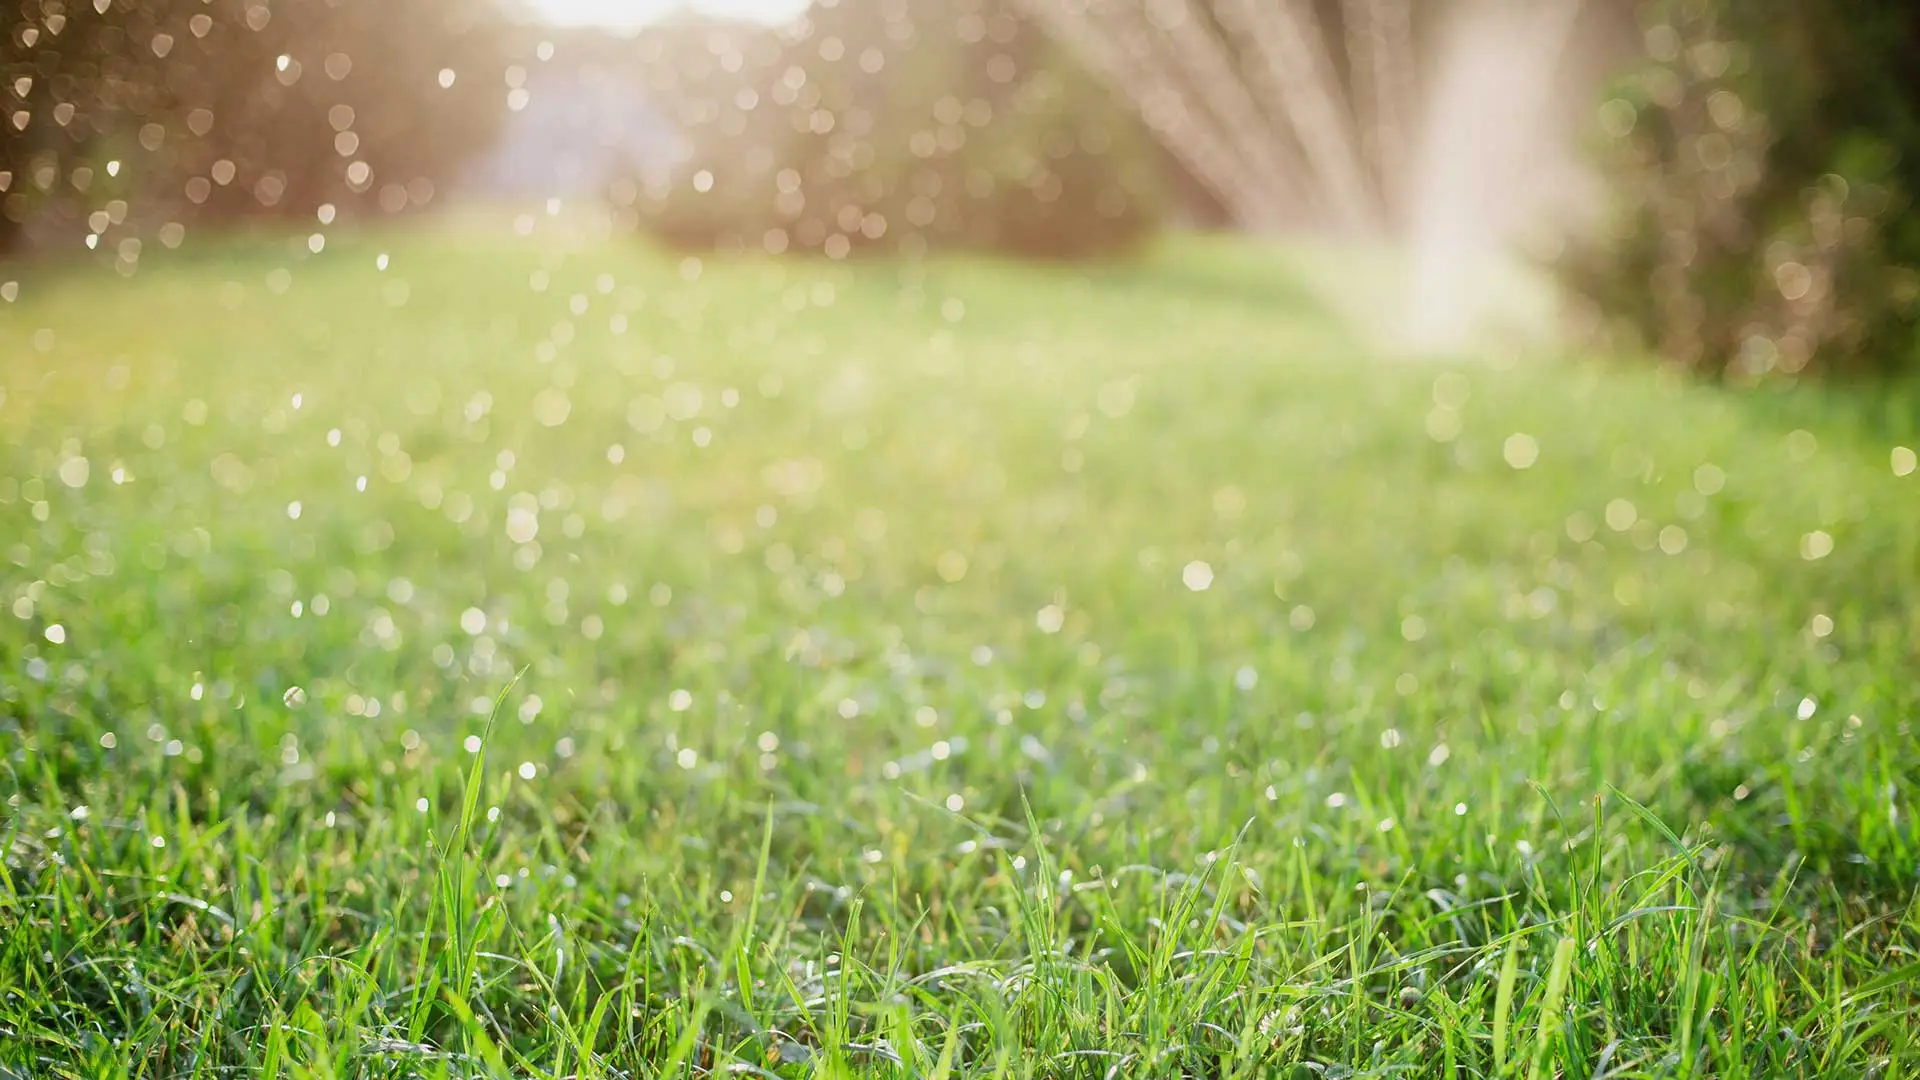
[(632, 14)]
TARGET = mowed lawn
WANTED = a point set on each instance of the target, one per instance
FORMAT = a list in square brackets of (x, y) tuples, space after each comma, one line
[(460, 653)]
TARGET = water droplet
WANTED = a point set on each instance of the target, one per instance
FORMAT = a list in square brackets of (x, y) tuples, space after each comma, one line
[(1621, 515), (1050, 619), (74, 472), (1521, 450), (1197, 576)]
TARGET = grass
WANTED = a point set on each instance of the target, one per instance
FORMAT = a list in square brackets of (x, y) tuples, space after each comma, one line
[(545, 657)]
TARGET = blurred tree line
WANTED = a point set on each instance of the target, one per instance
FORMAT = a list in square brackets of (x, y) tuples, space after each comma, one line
[(123, 117), (901, 122), (977, 123), (897, 125), (1762, 164)]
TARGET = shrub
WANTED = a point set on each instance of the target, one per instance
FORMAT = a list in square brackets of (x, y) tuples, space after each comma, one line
[(1760, 165), (227, 109), (940, 124)]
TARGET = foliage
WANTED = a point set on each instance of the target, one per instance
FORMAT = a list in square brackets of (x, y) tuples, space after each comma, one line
[(1763, 165), (128, 119), (942, 123), (1016, 672)]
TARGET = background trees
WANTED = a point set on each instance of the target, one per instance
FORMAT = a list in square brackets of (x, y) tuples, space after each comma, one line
[(232, 109), (903, 124), (1756, 161), (1760, 166)]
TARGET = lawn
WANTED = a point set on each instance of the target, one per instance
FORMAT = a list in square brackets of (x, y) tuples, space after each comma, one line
[(460, 653)]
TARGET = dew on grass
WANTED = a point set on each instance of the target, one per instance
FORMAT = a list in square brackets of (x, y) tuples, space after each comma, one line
[(1197, 576), (74, 472), (1802, 445), (1621, 515), (523, 523), (294, 697), (1521, 451), (1050, 619)]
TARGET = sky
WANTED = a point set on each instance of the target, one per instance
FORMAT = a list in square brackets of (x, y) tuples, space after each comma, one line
[(629, 14)]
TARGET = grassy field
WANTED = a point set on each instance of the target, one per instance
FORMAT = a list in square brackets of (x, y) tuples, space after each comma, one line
[(461, 654)]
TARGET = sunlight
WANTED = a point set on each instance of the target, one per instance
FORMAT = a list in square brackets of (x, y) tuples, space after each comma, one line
[(632, 14)]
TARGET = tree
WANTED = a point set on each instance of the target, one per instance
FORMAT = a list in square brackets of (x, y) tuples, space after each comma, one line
[(61, 70), (1760, 164), (216, 109), (904, 124)]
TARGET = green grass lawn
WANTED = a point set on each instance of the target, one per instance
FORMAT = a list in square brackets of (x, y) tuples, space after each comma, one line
[(557, 659)]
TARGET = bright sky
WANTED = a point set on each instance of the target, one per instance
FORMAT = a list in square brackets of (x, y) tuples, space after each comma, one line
[(629, 14)]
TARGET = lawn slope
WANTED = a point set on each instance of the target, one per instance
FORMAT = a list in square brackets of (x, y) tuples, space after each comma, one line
[(459, 654)]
